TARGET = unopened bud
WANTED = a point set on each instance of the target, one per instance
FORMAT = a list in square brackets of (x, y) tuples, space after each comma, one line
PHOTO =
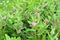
[(4, 17)]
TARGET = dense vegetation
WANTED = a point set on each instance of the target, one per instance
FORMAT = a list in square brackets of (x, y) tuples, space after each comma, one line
[(29, 19)]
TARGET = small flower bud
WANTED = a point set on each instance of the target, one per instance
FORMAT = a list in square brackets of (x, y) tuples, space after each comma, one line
[(18, 31), (45, 21), (37, 15), (24, 15), (4, 17), (32, 33), (11, 12), (58, 20), (33, 24), (3, 24), (56, 39)]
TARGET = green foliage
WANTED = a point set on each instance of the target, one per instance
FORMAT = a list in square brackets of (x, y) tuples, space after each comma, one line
[(29, 19), (12, 38)]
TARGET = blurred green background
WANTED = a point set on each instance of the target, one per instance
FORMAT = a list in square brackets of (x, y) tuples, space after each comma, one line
[(29, 19)]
